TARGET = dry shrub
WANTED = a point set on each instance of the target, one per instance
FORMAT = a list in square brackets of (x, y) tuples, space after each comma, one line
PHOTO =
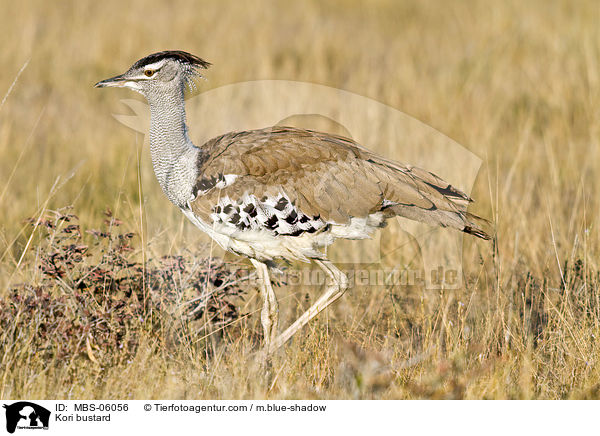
[(94, 299)]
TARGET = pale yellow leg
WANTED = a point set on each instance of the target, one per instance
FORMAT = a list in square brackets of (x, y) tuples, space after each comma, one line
[(269, 314), (333, 292)]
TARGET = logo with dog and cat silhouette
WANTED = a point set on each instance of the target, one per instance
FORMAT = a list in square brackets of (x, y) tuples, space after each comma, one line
[(26, 415)]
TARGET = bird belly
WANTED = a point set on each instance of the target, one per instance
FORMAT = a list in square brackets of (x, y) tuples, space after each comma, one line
[(213, 231), (262, 244)]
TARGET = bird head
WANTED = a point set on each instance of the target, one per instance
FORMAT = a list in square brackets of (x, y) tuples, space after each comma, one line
[(160, 71)]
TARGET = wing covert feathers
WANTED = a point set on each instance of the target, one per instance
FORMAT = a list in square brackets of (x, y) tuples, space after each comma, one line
[(328, 177)]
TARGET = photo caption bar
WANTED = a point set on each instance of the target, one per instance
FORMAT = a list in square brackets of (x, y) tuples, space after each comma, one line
[(151, 417)]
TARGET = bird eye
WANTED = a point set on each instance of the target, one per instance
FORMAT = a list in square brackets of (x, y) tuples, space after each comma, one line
[(149, 73)]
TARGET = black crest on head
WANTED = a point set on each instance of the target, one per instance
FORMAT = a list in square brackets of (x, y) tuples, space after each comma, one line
[(177, 55)]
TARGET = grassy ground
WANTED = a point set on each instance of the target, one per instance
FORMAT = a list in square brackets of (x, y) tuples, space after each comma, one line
[(517, 84)]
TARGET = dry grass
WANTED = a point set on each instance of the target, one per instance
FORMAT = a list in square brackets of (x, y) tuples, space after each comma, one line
[(517, 84)]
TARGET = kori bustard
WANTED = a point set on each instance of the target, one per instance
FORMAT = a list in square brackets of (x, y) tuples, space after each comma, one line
[(280, 192)]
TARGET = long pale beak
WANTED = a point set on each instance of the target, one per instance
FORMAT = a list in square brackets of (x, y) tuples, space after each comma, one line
[(118, 81)]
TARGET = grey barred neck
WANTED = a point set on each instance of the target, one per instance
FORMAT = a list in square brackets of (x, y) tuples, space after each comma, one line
[(174, 156)]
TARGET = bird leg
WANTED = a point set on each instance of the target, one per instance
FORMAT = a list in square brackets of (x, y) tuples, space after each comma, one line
[(269, 315), (333, 292)]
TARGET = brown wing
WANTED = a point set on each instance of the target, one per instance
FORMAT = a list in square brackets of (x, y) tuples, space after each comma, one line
[(325, 176)]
